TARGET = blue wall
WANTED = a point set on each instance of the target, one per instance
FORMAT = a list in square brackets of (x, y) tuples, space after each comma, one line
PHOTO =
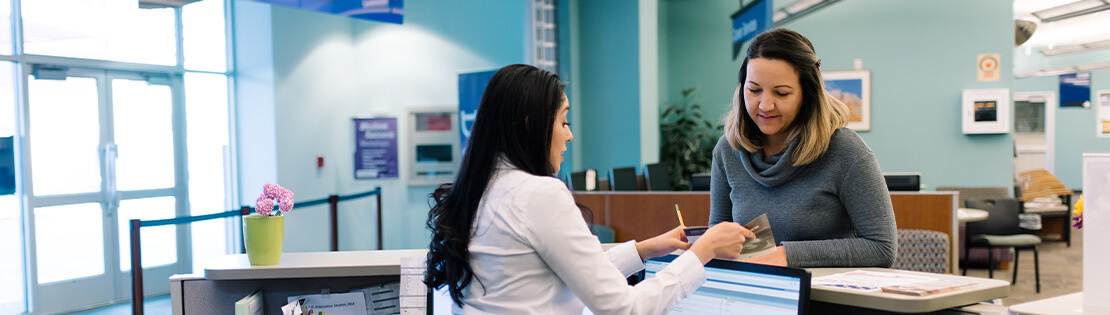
[(921, 56), (323, 70), (1075, 126), (609, 85)]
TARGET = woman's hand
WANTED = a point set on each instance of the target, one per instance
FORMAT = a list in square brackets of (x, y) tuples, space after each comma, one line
[(776, 258), (663, 244), (724, 240)]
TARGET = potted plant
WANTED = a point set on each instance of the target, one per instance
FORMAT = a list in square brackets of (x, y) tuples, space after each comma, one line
[(265, 231), (687, 139)]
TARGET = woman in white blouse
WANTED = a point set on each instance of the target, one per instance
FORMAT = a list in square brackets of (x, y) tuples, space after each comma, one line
[(507, 237)]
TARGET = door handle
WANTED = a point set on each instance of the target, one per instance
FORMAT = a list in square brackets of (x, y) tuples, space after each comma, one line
[(111, 195)]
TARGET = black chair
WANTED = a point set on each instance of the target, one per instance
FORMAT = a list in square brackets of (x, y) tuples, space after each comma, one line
[(657, 177), (622, 179), (699, 182), (1001, 229)]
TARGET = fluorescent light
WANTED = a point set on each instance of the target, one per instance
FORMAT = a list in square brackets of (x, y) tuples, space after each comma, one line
[(799, 8), (1103, 44), (779, 15), (1092, 66), (1071, 10), (1063, 70), (800, 5)]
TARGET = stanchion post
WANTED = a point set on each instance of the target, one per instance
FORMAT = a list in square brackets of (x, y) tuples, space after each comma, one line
[(136, 269)]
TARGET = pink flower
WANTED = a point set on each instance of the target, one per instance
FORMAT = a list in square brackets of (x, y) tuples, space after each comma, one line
[(271, 192), (286, 201), (264, 205)]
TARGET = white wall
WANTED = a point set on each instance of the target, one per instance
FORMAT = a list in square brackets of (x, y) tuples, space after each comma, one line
[(328, 69)]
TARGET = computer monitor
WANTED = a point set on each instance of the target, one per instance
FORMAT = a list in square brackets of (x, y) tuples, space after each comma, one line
[(657, 177), (730, 287), (742, 288), (622, 178), (699, 182)]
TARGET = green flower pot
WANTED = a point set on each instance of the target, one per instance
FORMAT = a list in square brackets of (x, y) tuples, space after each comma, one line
[(264, 238)]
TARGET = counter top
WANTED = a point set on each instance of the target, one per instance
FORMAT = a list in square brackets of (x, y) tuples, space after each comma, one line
[(983, 290), (312, 265)]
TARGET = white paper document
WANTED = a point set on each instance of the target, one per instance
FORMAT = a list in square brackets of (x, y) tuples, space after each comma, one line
[(334, 303), (862, 280), (414, 294)]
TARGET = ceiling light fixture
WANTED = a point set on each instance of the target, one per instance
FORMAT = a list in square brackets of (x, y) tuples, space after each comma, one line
[(798, 9), (1071, 10), (1063, 70), (1070, 49)]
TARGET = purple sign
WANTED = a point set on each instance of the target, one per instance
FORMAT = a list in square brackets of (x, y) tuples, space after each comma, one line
[(375, 148)]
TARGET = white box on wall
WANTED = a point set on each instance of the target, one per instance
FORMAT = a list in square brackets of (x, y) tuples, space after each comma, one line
[(433, 148), (1096, 226), (986, 111)]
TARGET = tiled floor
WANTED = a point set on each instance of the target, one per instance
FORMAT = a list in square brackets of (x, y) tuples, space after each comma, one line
[(152, 305), (1061, 271)]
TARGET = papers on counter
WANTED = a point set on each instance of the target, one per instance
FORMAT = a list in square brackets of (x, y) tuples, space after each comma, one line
[(867, 281)]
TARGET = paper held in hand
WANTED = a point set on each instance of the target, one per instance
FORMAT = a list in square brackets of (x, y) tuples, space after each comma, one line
[(762, 244)]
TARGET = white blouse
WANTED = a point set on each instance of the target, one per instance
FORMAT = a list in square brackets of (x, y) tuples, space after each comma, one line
[(532, 253)]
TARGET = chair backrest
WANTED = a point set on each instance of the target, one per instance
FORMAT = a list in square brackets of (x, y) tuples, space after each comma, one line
[(657, 177), (604, 234), (622, 179), (922, 250), (1001, 220), (968, 193), (699, 182)]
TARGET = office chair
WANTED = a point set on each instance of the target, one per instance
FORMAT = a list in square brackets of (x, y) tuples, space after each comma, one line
[(699, 182), (922, 250), (657, 177), (622, 179), (1001, 229)]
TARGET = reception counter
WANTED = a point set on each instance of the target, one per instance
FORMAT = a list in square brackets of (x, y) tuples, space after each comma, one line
[(230, 278), (639, 215)]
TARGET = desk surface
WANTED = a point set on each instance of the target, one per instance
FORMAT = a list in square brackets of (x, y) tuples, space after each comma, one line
[(1070, 304), (312, 265), (985, 289)]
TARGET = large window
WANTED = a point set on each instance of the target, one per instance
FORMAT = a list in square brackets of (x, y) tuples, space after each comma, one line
[(108, 85)]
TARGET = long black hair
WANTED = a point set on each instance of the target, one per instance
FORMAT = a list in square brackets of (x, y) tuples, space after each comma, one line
[(514, 123)]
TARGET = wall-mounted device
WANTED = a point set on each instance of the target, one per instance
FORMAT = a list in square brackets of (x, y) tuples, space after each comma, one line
[(433, 148)]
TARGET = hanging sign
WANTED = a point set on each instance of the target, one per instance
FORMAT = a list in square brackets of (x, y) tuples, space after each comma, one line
[(751, 20)]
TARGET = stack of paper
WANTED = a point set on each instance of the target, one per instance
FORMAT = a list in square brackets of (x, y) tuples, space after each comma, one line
[(249, 305)]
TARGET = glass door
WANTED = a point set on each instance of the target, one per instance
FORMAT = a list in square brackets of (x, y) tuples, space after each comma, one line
[(102, 148)]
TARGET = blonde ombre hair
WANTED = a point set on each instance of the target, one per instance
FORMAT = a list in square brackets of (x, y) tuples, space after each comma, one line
[(820, 114)]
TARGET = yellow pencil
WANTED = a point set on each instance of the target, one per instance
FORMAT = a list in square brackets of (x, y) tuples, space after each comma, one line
[(679, 215)]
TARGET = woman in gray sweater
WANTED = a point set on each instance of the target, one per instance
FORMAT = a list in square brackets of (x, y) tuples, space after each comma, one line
[(786, 152)]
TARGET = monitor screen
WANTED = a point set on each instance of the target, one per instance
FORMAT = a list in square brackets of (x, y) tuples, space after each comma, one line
[(742, 288)]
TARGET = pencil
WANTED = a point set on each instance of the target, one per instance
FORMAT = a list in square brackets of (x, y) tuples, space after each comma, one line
[(679, 215)]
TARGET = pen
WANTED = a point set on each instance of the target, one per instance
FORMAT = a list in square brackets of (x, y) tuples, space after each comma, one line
[(679, 215)]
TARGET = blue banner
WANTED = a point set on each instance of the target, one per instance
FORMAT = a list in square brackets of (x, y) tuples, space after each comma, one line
[(391, 11), (471, 87), (1075, 90), (751, 20)]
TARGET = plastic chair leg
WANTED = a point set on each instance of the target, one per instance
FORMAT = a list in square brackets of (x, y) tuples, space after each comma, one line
[(1037, 268), (1016, 252), (990, 262)]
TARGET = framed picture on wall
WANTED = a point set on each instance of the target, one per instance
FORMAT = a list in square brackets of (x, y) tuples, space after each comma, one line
[(986, 111), (1102, 111), (854, 89)]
